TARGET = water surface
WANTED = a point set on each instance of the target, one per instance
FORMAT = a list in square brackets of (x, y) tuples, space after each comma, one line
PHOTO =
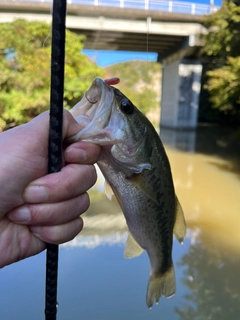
[(96, 282)]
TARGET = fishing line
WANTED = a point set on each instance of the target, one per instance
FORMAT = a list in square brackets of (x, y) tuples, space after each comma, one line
[(46, 39), (50, 29), (149, 20), (149, 85), (55, 141), (152, 110)]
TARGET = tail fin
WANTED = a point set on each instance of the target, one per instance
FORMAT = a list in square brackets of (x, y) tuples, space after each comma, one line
[(160, 285)]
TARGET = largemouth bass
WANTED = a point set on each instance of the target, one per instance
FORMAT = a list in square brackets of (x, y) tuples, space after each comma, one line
[(135, 165)]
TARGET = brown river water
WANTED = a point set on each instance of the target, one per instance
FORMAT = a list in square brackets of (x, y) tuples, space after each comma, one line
[(97, 283)]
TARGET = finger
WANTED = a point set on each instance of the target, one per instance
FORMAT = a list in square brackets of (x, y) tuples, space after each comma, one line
[(82, 152), (17, 242), (58, 234), (70, 182), (50, 214), (39, 126), (70, 125)]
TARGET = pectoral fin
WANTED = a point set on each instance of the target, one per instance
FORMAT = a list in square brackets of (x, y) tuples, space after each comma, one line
[(179, 229), (108, 190), (141, 183), (132, 248)]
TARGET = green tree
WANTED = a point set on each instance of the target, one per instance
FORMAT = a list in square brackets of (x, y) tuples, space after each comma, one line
[(221, 44), (224, 86), (223, 37), (25, 71)]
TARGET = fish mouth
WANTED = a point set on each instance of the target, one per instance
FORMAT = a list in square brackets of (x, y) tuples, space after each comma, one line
[(93, 113), (103, 123)]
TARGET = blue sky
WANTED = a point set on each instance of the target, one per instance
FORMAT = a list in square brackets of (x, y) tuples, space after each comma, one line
[(104, 57)]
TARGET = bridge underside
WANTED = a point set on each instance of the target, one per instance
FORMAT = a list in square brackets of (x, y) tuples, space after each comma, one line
[(108, 28), (127, 41)]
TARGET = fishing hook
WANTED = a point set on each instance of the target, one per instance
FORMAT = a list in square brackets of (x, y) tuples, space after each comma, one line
[(90, 100)]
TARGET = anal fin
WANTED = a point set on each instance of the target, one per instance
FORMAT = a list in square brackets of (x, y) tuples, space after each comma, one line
[(132, 248)]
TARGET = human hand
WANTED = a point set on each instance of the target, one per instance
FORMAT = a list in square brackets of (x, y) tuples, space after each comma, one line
[(36, 207)]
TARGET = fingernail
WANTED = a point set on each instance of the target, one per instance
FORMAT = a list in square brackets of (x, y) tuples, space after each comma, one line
[(21, 214), (36, 194), (76, 153)]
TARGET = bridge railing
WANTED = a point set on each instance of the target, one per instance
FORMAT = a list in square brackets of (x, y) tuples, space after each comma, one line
[(159, 5)]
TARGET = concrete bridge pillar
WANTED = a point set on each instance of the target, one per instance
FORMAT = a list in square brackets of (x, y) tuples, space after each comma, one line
[(181, 84)]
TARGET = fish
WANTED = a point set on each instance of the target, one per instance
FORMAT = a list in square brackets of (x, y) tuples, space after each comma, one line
[(137, 171)]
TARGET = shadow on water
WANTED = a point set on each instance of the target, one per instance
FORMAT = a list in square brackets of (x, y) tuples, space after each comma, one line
[(211, 277), (208, 139), (206, 170)]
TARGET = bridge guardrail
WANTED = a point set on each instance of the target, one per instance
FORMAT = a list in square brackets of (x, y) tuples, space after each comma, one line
[(159, 5)]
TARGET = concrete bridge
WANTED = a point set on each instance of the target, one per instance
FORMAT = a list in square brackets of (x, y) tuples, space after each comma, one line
[(170, 28)]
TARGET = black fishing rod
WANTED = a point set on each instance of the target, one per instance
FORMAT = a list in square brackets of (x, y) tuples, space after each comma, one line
[(55, 141)]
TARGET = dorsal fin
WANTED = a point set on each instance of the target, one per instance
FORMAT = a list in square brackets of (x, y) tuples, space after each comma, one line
[(179, 229)]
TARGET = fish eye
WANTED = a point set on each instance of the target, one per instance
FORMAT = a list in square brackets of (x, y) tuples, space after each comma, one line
[(127, 106)]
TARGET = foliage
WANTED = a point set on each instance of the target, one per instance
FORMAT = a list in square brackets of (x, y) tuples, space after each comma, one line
[(25, 71), (224, 87), (223, 37), (221, 44), (140, 82)]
